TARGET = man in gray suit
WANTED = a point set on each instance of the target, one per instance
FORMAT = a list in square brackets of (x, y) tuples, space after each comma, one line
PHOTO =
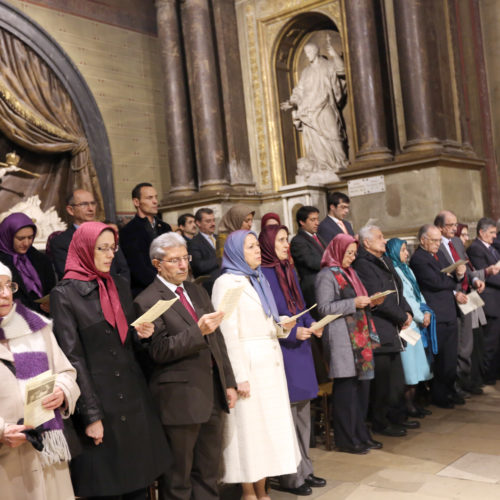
[(192, 382), (453, 249)]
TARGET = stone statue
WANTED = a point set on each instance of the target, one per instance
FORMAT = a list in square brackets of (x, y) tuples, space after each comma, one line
[(316, 102)]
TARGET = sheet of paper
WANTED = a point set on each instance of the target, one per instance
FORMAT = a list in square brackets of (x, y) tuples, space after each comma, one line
[(379, 295), (474, 302), (230, 300), (453, 266), (37, 389), (297, 316), (324, 321), (410, 335), (154, 312), (43, 300)]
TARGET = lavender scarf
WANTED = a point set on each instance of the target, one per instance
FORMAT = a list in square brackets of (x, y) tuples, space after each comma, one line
[(21, 327)]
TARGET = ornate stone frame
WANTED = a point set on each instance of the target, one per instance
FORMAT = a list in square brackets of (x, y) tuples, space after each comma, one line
[(35, 37)]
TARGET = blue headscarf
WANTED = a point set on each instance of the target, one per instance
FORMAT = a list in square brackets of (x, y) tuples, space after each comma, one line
[(393, 250), (233, 261)]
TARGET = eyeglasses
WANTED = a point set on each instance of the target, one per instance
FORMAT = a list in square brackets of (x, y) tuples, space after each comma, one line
[(9, 287), (85, 204), (454, 224), (107, 249), (177, 260)]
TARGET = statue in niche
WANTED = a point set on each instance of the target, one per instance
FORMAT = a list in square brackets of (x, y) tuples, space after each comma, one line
[(316, 102)]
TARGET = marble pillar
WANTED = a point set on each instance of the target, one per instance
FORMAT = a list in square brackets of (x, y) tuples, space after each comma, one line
[(204, 89), (420, 76), (371, 127), (180, 144)]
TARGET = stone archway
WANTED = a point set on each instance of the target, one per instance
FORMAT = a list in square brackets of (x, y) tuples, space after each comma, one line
[(39, 41), (288, 61)]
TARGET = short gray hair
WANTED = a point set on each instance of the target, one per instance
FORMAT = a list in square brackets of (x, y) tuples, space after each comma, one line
[(365, 233), (166, 240), (424, 230)]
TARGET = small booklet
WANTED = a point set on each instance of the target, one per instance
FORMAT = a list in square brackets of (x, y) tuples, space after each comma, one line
[(37, 389), (297, 316), (324, 321), (474, 302), (379, 295), (154, 312), (230, 300), (451, 268), (410, 335)]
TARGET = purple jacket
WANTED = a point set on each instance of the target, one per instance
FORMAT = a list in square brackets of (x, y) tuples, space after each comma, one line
[(297, 354)]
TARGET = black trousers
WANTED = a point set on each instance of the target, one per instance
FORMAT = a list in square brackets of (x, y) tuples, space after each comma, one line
[(445, 362), (134, 495), (387, 391), (196, 452), (350, 399), (477, 368), (491, 343)]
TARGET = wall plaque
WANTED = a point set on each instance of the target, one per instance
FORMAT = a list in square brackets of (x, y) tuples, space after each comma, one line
[(366, 185)]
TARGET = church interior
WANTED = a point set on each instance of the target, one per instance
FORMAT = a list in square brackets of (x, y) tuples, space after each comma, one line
[(203, 99)]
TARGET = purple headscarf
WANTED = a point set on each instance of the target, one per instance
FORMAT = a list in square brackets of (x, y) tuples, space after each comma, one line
[(233, 261), (8, 228)]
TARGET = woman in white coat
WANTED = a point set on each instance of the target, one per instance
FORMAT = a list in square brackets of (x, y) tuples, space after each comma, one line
[(259, 437), (27, 349)]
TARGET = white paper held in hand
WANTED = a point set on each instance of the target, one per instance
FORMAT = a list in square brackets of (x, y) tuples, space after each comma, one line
[(324, 321), (37, 389), (410, 335), (154, 312), (230, 300)]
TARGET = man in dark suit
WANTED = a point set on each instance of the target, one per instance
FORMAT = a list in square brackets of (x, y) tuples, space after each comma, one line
[(453, 251), (376, 271), (334, 223), (483, 255), (187, 226), (438, 289), (81, 206), (192, 381), (137, 235), (202, 248)]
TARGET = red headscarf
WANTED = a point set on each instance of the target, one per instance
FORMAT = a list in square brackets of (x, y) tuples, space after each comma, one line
[(80, 266), (266, 217), (284, 268), (334, 255)]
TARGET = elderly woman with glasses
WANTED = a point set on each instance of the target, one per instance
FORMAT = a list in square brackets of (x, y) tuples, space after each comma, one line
[(33, 462), (124, 448), (31, 269)]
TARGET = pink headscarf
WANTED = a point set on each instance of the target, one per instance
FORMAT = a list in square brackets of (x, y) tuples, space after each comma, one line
[(80, 266), (334, 255)]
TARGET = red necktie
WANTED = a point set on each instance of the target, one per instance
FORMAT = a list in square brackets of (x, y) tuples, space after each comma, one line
[(436, 257), (315, 236), (456, 257), (180, 292)]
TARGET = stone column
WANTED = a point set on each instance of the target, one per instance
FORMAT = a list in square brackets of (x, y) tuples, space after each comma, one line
[(366, 81), (178, 121), (419, 72), (206, 105)]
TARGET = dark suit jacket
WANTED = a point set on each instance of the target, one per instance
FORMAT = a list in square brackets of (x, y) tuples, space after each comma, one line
[(481, 257), (389, 317), (59, 252), (182, 381), (135, 240), (328, 229), (204, 261), (436, 286), (307, 255)]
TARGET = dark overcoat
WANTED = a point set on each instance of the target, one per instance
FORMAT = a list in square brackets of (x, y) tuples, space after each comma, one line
[(113, 389)]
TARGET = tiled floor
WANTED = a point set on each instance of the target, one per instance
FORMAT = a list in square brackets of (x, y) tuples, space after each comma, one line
[(454, 455)]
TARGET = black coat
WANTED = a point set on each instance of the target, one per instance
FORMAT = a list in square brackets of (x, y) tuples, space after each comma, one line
[(379, 275), (42, 266), (481, 258), (328, 229), (436, 287), (307, 255), (135, 240), (204, 261), (113, 389), (59, 252)]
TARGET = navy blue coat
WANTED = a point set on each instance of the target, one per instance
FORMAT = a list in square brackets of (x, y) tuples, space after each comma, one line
[(328, 229), (297, 354)]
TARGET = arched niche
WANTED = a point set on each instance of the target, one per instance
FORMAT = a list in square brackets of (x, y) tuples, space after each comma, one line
[(37, 39), (289, 61)]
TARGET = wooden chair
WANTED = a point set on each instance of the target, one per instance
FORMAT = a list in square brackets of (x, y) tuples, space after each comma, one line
[(321, 417)]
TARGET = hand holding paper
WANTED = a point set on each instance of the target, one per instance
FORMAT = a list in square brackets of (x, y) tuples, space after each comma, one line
[(297, 316), (324, 321), (379, 295), (154, 312)]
